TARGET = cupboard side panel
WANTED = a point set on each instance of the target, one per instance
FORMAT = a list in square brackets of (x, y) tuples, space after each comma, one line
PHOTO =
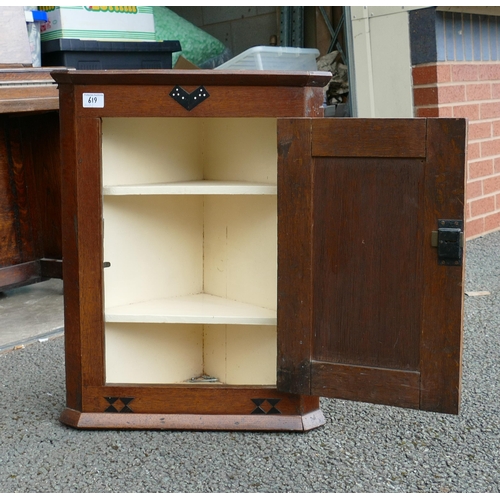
[(82, 249), (294, 255), (90, 238), (72, 339), (443, 288)]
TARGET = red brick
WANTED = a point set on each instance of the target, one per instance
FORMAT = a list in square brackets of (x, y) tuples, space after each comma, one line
[(497, 202), (464, 73), (490, 110), (482, 206), (474, 189), (492, 222), (491, 185), (496, 128), (479, 131), (489, 71), (474, 228), (495, 90), (432, 73), (451, 93), (497, 165), (480, 168), (443, 73), (473, 153), (478, 91), (423, 96), (427, 112), (490, 148), (446, 111), (467, 210), (470, 111), (424, 75)]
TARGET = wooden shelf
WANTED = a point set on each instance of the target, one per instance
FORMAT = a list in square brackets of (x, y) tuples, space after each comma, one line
[(193, 187), (193, 309)]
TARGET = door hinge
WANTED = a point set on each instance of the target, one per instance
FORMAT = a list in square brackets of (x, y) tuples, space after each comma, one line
[(449, 240)]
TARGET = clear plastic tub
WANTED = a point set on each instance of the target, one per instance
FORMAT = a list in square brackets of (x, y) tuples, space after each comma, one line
[(273, 58)]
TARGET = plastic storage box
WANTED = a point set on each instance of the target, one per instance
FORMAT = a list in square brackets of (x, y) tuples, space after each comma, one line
[(90, 54), (33, 20), (273, 58)]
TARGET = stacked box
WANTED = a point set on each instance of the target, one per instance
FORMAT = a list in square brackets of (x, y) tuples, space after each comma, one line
[(97, 55)]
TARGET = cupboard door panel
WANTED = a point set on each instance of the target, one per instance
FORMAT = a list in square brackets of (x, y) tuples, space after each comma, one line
[(365, 310), (367, 274)]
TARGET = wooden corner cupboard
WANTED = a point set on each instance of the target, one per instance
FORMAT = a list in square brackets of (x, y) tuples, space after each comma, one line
[(230, 255)]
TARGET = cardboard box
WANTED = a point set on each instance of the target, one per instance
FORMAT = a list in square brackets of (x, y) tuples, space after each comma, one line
[(183, 63), (99, 23)]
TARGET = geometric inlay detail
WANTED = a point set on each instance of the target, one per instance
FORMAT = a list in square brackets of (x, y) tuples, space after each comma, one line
[(118, 405), (189, 100), (265, 406)]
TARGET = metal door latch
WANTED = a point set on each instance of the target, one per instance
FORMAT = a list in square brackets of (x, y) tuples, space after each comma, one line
[(449, 240)]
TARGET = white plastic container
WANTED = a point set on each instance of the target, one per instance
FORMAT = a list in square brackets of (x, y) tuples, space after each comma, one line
[(34, 18), (273, 58)]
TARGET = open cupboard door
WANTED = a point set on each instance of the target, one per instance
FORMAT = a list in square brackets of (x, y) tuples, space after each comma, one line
[(371, 259)]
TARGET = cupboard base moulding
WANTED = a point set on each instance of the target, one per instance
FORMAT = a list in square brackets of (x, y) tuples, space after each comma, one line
[(141, 421)]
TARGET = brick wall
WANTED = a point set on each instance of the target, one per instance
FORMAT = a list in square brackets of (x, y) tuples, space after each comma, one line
[(464, 81), (470, 91)]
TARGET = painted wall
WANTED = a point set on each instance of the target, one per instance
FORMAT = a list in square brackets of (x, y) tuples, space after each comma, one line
[(381, 53)]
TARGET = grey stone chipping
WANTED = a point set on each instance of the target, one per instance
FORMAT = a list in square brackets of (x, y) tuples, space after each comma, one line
[(362, 447)]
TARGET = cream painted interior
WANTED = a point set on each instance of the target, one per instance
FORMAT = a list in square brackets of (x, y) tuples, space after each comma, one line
[(190, 223), (152, 353), (165, 150)]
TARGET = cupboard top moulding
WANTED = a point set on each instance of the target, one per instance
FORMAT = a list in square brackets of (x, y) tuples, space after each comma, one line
[(245, 93)]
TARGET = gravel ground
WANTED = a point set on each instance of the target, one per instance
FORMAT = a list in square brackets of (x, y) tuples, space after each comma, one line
[(362, 447)]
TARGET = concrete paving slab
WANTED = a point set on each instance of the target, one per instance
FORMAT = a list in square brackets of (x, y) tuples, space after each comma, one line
[(30, 312)]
